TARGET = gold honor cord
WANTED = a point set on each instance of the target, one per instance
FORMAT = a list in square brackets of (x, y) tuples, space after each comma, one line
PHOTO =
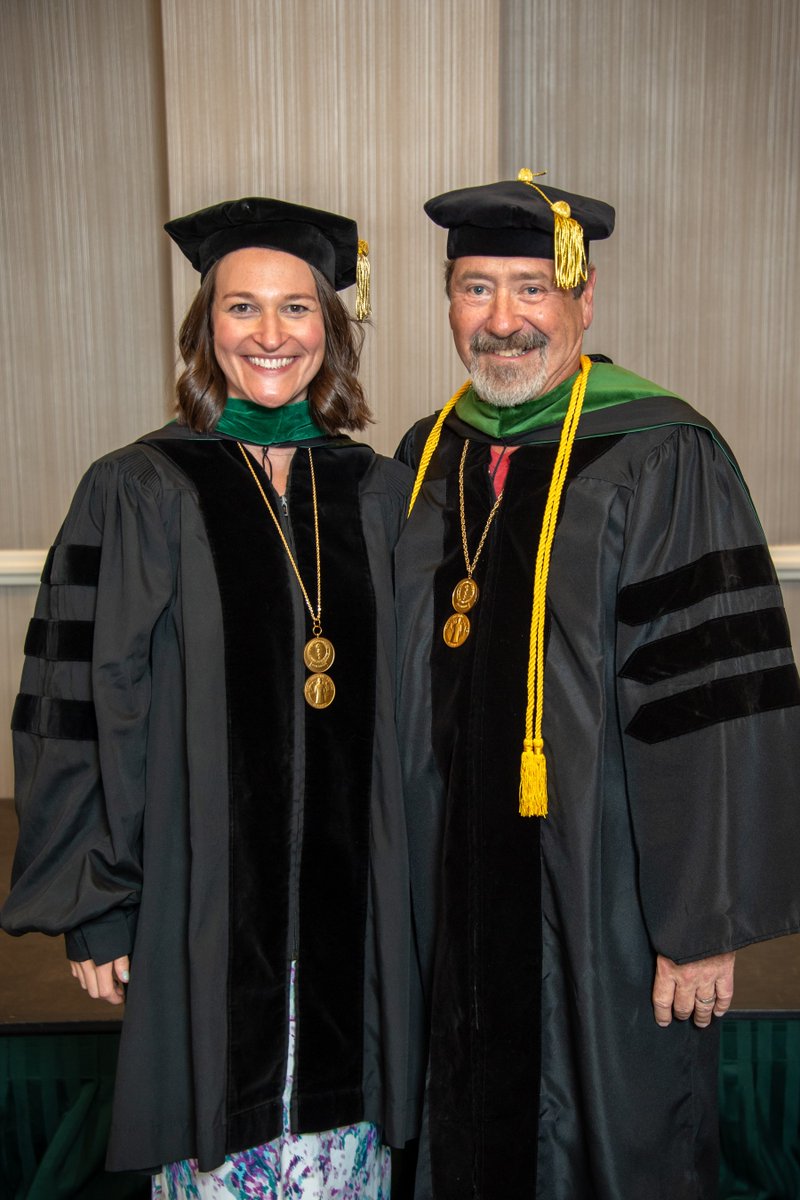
[(533, 769), (466, 592), (432, 442), (318, 653)]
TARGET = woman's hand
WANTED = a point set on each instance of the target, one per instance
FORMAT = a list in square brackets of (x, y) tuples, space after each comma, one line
[(103, 982)]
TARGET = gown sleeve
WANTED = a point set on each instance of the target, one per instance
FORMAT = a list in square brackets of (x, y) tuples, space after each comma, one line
[(80, 721), (709, 707)]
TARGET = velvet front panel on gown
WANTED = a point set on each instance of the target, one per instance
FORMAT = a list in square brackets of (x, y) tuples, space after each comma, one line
[(325, 877)]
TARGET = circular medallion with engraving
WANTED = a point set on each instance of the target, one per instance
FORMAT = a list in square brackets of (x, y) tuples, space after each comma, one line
[(465, 594), (319, 690), (318, 654), (456, 630)]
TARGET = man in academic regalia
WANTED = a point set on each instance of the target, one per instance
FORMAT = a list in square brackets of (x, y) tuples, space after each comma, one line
[(602, 721)]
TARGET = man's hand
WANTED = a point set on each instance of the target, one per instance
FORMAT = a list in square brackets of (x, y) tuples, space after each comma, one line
[(103, 982), (702, 989)]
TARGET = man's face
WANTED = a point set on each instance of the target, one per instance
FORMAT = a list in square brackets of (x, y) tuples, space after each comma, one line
[(517, 334)]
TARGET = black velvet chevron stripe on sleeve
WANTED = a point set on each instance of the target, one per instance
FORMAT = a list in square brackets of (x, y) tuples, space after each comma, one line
[(57, 640), (713, 641), (48, 717), (710, 575), (60, 641), (72, 564), (720, 700)]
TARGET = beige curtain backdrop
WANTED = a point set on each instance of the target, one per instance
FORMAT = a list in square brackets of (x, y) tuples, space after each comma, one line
[(685, 116), (121, 113)]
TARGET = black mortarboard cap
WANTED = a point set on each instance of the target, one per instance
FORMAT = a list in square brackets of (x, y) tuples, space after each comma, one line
[(323, 239), (515, 218)]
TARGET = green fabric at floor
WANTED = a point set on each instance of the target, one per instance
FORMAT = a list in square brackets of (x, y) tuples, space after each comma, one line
[(55, 1102), (55, 1105), (759, 1097)]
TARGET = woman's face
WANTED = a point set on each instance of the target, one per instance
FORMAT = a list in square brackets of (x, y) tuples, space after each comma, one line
[(269, 334)]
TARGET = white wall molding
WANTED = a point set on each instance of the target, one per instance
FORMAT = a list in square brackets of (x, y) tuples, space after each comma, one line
[(787, 562), (22, 568)]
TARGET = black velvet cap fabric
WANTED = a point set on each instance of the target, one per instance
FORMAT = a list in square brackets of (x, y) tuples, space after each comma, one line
[(323, 239), (510, 219)]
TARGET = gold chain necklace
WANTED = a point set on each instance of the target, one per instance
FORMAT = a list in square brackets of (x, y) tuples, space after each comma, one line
[(318, 653), (465, 593)]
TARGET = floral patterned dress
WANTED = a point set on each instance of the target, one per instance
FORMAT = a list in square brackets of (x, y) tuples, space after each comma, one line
[(348, 1163)]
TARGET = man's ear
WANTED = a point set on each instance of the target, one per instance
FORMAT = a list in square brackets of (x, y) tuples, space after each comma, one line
[(587, 298)]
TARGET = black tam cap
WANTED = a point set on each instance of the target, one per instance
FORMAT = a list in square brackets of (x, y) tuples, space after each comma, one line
[(518, 219), (325, 240)]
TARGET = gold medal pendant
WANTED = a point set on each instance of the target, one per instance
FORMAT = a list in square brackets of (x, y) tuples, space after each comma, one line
[(465, 595), (466, 592), (318, 654), (319, 690), (457, 627), (456, 630)]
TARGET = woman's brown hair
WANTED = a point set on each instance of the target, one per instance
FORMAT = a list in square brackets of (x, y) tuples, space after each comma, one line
[(335, 395)]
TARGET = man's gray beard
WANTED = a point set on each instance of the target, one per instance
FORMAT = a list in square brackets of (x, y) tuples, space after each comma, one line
[(508, 386)]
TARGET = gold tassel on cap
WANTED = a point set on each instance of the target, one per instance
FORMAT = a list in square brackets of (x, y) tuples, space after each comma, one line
[(533, 768), (363, 303), (569, 251)]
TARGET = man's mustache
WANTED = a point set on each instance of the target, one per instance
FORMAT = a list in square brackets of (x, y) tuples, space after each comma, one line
[(487, 343)]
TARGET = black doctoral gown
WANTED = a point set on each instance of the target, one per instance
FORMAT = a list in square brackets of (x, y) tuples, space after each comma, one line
[(672, 734), (180, 801)]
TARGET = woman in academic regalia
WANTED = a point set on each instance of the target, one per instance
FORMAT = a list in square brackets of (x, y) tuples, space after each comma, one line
[(207, 771)]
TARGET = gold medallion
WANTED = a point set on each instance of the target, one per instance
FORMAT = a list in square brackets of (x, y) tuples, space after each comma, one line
[(465, 594), (318, 654), (456, 630), (319, 690)]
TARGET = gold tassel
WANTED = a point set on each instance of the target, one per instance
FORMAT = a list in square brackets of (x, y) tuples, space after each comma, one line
[(569, 253), (363, 303), (533, 779)]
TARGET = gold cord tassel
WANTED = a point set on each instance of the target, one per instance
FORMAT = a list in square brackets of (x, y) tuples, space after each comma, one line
[(363, 302), (570, 255), (569, 252), (533, 767), (533, 779)]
